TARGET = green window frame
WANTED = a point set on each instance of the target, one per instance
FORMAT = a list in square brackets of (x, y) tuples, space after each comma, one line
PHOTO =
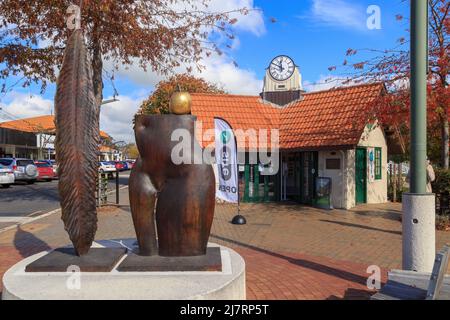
[(378, 171)]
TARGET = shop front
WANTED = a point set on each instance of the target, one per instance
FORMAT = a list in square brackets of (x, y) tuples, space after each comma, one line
[(257, 183), (298, 173), (295, 181), (330, 154)]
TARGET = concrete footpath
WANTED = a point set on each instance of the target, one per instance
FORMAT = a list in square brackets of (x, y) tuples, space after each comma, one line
[(291, 251)]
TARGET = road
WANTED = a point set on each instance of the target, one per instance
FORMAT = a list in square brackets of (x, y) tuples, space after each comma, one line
[(23, 200)]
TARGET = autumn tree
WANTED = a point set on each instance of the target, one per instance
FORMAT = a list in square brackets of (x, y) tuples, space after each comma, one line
[(130, 151), (158, 102), (158, 35), (392, 67), (45, 137)]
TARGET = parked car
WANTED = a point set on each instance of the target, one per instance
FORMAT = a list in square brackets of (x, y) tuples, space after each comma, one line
[(119, 165), (53, 164), (125, 165), (130, 163), (6, 176), (106, 167), (45, 171), (24, 169)]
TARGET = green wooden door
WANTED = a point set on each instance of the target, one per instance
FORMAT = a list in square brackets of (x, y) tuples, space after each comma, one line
[(361, 175)]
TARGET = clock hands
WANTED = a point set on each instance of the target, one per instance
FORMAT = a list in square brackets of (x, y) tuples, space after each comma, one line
[(281, 68)]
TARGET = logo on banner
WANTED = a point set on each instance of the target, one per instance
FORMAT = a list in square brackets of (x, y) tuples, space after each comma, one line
[(226, 136), (225, 166)]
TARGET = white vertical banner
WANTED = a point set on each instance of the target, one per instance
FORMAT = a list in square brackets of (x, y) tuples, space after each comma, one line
[(371, 164), (226, 160)]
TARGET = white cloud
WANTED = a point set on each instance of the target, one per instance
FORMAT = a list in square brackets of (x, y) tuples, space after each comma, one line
[(252, 22), (220, 70), (23, 105), (337, 13), (135, 74), (116, 118)]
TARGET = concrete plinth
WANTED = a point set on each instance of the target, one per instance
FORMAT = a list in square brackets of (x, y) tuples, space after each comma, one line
[(419, 235), (227, 284)]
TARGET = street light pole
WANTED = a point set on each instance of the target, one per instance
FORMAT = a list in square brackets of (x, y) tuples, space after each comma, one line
[(418, 221), (419, 45)]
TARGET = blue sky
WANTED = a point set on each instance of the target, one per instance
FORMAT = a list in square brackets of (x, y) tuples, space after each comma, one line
[(315, 33), (315, 37)]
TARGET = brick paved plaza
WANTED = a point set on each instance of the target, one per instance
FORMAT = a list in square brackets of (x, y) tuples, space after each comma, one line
[(291, 251)]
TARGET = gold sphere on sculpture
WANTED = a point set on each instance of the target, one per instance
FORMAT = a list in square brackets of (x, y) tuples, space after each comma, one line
[(180, 103)]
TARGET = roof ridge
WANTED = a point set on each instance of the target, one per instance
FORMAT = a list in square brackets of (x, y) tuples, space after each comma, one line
[(27, 119), (223, 94), (12, 124), (379, 83), (373, 84)]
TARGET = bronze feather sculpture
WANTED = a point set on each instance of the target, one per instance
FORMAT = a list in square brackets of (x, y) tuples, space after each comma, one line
[(77, 141)]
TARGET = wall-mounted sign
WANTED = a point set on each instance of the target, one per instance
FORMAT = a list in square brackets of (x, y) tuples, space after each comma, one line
[(333, 164), (323, 193)]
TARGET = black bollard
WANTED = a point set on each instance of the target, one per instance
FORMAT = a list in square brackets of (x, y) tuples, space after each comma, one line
[(117, 186)]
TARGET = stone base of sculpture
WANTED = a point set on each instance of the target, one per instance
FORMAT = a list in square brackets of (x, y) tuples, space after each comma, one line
[(211, 261), (64, 259), (226, 284)]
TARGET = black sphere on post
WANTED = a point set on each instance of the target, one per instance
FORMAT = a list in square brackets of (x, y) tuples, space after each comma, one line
[(239, 219)]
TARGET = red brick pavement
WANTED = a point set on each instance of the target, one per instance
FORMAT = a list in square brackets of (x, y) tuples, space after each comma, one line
[(294, 276), (271, 276), (291, 252)]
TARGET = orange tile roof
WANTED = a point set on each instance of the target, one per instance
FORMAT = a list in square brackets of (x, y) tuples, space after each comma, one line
[(241, 112), (332, 118), (328, 118), (37, 124), (106, 149), (104, 135)]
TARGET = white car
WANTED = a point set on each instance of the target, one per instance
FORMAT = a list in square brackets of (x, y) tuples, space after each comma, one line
[(6, 177), (106, 167), (24, 169)]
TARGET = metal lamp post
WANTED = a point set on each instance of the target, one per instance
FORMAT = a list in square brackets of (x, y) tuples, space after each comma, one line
[(418, 221), (419, 51)]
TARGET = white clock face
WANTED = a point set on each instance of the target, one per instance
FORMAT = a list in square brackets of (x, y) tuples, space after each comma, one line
[(281, 68)]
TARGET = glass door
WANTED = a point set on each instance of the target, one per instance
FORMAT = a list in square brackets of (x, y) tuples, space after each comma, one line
[(309, 165)]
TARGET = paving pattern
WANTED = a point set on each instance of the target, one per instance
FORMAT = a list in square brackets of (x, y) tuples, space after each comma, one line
[(291, 251)]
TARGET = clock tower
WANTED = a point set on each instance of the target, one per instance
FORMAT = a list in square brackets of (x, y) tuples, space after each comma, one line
[(282, 82)]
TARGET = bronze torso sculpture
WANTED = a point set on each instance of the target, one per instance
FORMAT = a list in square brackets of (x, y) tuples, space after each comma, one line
[(184, 195)]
